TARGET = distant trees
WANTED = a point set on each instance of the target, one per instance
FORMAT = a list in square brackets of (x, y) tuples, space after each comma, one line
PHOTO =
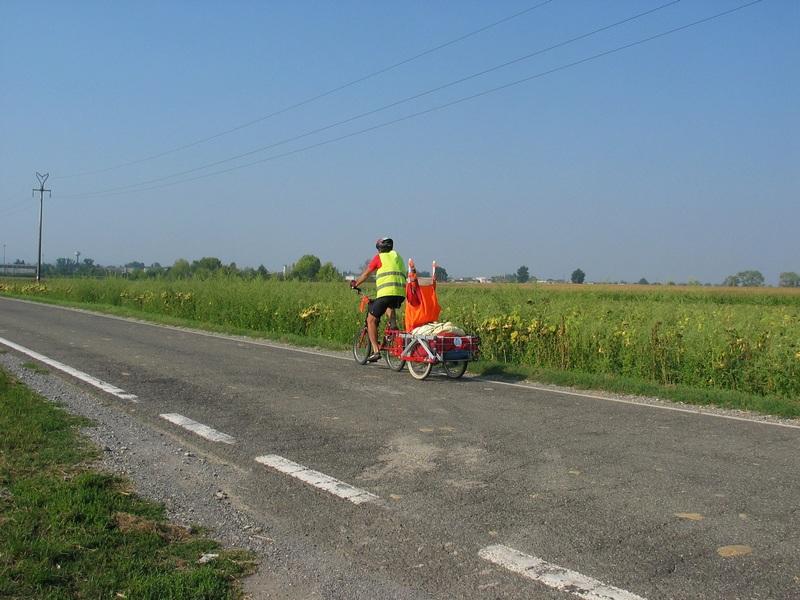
[(522, 274), (744, 279), (205, 267), (578, 276), (181, 269), (328, 272), (506, 278), (643, 281), (306, 268), (789, 279), (71, 267), (751, 278), (441, 273), (155, 270)]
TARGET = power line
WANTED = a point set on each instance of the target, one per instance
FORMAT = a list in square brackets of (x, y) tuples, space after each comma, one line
[(454, 102), (312, 98), (18, 207), (376, 110)]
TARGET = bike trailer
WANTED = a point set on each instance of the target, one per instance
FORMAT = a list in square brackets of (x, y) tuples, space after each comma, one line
[(441, 346)]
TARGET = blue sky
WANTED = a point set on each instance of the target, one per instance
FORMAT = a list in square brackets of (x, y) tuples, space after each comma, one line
[(670, 160)]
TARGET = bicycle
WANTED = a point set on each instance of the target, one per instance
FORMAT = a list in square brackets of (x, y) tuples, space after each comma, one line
[(417, 352), (390, 345)]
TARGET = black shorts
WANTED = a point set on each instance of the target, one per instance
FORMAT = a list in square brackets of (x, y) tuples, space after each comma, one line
[(379, 305)]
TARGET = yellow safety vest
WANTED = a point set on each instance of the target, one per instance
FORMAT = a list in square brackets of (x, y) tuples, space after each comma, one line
[(391, 276)]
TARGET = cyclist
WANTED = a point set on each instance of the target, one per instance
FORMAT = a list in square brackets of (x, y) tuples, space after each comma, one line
[(390, 278)]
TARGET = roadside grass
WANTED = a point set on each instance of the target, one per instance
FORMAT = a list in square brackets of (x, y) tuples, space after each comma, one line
[(67, 531), (788, 407), (36, 368), (771, 405)]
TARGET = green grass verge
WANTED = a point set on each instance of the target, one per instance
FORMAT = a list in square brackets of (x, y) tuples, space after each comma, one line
[(772, 405), (67, 531)]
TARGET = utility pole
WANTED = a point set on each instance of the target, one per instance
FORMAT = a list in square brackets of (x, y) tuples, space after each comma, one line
[(41, 190), (4, 260)]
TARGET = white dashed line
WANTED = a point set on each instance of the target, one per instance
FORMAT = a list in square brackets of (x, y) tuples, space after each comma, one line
[(198, 428), (552, 575), (317, 479), (85, 377)]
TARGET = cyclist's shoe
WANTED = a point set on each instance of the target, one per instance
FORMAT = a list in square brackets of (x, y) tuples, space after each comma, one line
[(374, 357)]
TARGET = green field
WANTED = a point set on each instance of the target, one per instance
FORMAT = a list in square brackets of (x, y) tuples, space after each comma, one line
[(742, 341)]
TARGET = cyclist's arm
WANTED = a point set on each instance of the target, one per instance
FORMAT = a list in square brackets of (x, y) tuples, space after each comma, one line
[(373, 266), (363, 277)]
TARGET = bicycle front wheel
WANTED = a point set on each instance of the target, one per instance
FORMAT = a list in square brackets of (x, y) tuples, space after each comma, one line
[(361, 346)]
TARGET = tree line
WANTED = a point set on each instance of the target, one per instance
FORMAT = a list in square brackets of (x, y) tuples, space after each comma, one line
[(756, 279), (749, 278), (310, 268), (307, 268)]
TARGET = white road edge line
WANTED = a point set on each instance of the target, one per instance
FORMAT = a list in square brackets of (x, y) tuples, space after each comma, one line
[(198, 428), (525, 386), (552, 575), (690, 411), (317, 479), (85, 377)]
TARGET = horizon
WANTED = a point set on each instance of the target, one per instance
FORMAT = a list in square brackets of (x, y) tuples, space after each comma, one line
[(345, 272)]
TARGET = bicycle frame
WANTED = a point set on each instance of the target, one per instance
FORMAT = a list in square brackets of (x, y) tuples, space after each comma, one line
[(385, 342)]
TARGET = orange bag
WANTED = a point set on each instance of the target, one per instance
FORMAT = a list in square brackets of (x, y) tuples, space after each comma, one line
[(422, 305)]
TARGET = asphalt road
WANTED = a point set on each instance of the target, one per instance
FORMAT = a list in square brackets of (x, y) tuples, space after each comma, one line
[(471, 478)]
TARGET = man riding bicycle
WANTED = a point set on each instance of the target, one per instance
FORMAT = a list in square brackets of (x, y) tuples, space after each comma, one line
[(390, 278)]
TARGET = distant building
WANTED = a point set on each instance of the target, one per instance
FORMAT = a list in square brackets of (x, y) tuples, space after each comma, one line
[(17, 270)]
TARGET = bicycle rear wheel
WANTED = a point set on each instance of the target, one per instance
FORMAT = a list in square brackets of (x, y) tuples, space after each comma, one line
[(394, 362), (361, 346)]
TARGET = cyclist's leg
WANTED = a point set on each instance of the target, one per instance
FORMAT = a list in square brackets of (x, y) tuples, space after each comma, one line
[(391, 311), (372, 332), (376, 311)]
